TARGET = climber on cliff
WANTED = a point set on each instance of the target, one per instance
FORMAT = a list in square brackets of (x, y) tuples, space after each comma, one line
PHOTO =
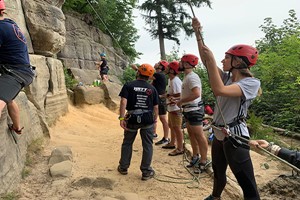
[(15, 69), (103, 67)]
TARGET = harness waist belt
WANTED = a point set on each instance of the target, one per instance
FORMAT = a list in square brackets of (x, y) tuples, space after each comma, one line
[(232, 124), (200, 103), (138, 111)]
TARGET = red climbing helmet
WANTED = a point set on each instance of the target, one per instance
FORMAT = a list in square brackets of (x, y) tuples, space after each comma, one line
[(191, 59), (175, 66), (164, 64), (248, 53), (2, 5), (146, 70)]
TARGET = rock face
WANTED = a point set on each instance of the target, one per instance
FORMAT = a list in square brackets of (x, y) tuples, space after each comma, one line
[(54, 40)]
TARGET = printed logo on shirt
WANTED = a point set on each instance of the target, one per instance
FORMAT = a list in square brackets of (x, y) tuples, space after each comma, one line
[(144, 90), (19, 33)]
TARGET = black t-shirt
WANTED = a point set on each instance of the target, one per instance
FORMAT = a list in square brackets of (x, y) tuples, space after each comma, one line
[(103, 65), (140, 95), (160, 82)]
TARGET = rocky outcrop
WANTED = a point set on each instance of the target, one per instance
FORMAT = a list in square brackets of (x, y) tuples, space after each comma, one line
[(53, 40), (46, 25)]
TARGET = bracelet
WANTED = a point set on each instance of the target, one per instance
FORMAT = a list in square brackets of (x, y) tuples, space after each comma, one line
[(121, 118)]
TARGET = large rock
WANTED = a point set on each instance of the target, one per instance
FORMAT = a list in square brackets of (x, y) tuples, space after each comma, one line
[(46, 24), (88, 95), (56, 103), (83, 44), (12, 155)]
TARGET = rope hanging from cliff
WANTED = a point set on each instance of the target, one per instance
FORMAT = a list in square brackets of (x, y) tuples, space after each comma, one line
[(105, 25)]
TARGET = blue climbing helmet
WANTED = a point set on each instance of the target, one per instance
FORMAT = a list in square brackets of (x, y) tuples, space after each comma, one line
[(102, 54)]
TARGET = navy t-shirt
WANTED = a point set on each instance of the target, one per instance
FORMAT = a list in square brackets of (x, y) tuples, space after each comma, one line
[(160, 82), (13, 45), (140, 95)]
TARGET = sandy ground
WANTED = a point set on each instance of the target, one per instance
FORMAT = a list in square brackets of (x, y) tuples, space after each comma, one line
[(95, 137)]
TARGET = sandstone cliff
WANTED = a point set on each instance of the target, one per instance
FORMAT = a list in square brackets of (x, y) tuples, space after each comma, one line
[(54, 40)]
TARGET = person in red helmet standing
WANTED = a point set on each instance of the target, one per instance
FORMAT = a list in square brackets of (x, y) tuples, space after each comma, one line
[(15, 69), (193, 111), (234, 88), (174, 113), (140, 99), (160, 84)]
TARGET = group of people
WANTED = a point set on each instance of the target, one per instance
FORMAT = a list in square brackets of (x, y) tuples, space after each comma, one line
[(143, 103), (234, 88)]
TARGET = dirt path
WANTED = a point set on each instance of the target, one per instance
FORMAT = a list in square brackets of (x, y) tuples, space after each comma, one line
[(95, 137)]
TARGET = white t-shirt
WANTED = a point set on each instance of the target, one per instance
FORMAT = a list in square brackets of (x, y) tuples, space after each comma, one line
[(190, 81), (174, 87)]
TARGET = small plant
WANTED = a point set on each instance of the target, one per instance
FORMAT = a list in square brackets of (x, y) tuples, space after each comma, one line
[(25, 172), (10, 196), (33, 150), (70, 81)]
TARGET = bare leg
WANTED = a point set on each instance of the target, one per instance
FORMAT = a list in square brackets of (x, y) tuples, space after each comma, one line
[(2, 105), (163, 119), (193, 140), (179, 137), (201, 141), (14, 113), (173, 137)]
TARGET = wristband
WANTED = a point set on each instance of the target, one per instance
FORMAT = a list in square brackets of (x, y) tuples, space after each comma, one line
[(121, 118)]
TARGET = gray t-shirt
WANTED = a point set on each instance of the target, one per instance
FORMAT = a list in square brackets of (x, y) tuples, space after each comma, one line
[(234, 108)]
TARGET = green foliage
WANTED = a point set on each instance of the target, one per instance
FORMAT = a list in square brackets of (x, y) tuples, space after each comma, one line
[(70, 81), (278, 69), (113, 17), (207, 94), (128, 75)]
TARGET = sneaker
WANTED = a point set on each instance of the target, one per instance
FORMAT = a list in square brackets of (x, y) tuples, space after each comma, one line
[(163, 141), (148, 175), (210, 197), (202, 167), (122, 171), (193, 162)]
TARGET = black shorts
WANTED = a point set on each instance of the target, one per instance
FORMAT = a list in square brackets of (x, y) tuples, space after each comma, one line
[(195, 117), (13, 79), (9, 88), (162, 106)]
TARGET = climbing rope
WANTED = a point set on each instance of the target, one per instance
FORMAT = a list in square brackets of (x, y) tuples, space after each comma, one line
[(105, 25)]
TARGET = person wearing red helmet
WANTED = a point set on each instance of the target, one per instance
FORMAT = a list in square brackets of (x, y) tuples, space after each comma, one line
[(160, 83), (15, 69), (234, 88), (174, 113), (140, 99), (193, 111)]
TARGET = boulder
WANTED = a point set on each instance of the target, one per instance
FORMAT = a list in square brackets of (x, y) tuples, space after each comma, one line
[(46, 25)]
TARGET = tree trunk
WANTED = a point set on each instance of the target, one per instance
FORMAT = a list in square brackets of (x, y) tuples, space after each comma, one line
[(161, 34)]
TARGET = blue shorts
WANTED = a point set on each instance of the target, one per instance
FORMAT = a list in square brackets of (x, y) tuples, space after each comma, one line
[(9, 88)]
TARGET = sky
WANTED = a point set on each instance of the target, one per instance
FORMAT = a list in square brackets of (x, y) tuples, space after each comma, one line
[(229, 22)]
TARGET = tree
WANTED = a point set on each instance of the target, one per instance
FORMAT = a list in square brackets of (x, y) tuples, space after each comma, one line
[(113, 17), (167, 18), (278, 69)]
